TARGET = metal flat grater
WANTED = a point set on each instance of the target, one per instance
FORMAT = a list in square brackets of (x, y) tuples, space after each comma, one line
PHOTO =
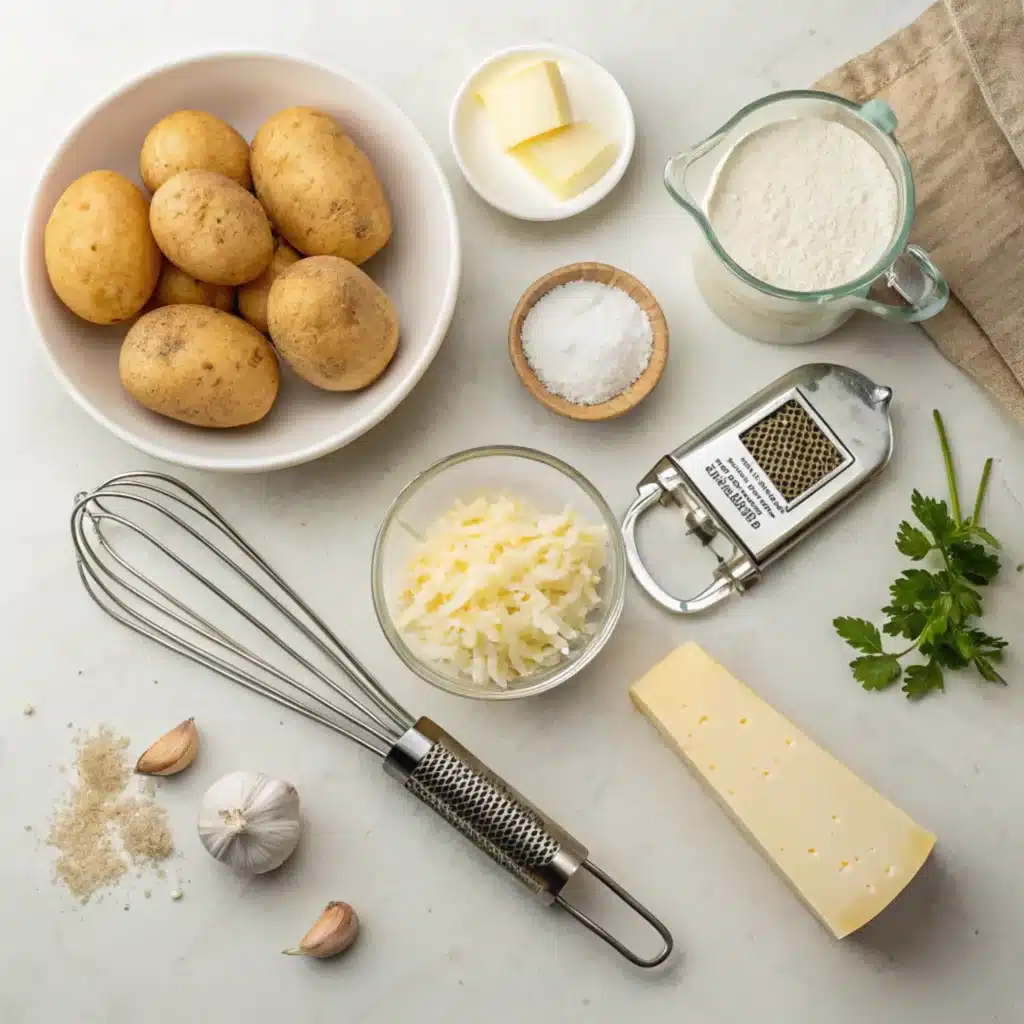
[(766, 474)]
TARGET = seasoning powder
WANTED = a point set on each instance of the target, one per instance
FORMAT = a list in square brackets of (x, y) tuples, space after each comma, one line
[(101, 831), (587, 341)]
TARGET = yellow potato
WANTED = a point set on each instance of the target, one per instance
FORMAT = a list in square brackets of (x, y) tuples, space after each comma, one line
[(252, 297), (192, 140), (176, 288), (200, 366), (210, 227), (318, 187), (332, 324), (100, 254)]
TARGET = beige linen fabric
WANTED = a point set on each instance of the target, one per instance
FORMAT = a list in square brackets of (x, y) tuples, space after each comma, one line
[(955, 78)]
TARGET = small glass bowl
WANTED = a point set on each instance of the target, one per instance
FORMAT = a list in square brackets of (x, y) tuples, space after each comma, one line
[(539, 479)]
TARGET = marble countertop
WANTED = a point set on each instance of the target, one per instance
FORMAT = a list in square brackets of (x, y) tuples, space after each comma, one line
[(447, 938)]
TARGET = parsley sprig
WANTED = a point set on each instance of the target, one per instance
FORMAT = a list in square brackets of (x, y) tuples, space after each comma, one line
[(933, 610)]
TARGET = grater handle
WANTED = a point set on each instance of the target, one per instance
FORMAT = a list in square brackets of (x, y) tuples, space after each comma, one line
[(650, 494), (505, 825)]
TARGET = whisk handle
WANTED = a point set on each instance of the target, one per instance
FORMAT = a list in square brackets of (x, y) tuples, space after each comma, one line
[(504, 824)]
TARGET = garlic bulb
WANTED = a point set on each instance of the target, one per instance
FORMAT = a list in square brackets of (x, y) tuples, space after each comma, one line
[(250, 821)]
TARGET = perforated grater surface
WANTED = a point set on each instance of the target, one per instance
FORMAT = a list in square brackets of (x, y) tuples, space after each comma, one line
[(767, 474)]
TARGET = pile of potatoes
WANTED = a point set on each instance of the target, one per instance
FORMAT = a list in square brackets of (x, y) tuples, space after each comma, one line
[(205, 245)]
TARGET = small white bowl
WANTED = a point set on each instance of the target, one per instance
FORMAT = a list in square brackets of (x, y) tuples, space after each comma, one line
[(497, 177), (419, 268)]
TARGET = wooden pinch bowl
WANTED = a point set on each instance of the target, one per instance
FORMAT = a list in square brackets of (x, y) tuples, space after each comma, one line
[(621, 403)]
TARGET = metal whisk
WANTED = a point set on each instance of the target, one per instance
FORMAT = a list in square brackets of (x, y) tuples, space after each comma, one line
[(278, 647)]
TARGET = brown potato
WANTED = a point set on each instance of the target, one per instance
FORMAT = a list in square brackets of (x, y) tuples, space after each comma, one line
[(252, 297), (200, 366), (192, 140), (318, 187), (332, 324), (176, 288), (210, 227), (100, 254)]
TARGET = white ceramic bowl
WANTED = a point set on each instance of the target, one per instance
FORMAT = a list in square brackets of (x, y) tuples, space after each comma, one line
[(419, 268), (495, 176)]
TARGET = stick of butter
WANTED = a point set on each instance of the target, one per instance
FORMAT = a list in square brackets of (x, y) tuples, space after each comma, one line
[(526, 103), (569, 160), (846, 851)]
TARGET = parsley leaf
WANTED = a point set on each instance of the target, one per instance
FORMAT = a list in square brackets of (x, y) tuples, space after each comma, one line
[(916, 588), (990, 645), (987, 537), (972, 561), (987, 670), (904, 622), (919, 680), (946, 653), (876, 671), (859, 634), (934, 515), (933, 610), (912, 542)]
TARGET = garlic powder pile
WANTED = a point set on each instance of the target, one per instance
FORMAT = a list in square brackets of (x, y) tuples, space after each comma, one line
[(587, 341), (497, 590), (101, 830)]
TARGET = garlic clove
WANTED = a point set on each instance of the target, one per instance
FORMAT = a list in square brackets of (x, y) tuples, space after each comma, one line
[(173, 752), (334, 931)]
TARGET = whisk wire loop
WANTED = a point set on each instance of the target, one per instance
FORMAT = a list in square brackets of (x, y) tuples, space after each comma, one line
[(151, 609)]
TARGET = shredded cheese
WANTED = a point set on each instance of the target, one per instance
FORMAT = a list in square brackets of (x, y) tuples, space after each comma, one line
[(496, 590)]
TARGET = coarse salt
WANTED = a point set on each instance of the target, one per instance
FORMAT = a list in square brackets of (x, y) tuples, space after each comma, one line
[(587, 341)]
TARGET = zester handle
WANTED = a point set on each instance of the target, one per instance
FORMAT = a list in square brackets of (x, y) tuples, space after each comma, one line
[(484, 808), (504, 824)]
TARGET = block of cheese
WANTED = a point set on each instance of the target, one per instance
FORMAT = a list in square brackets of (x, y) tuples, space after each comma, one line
[(569, 160), (845, 850), (526, 103)]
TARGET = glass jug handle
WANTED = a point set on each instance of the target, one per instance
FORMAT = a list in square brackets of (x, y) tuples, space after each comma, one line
[(916, 278), (913, 276), (880, 114)]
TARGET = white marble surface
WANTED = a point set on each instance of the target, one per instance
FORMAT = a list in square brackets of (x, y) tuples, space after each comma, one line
[(447, 938)]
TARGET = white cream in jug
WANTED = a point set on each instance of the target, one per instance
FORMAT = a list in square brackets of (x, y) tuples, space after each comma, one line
[(804, 204)]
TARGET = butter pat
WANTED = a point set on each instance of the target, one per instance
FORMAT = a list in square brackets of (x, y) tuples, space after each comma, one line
[(568, 161), (527, 103), (846, 851)]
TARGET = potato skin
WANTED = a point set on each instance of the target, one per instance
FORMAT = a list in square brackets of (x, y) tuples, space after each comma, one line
[(200, 366), (318, 187), (332, 324), (210, 227), (190, 140), (252, 297), (176, 288), (101, 257)]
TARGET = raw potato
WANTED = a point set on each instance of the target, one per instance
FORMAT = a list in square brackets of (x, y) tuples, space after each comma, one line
[(252, 297), (176, 288), (100, 254), (335, 327), (200, 366), (318, 187), (192, 140), (211, 228)]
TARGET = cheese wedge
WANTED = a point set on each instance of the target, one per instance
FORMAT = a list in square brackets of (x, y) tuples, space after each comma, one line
[(569, 160), (526, 103), (846, 851)]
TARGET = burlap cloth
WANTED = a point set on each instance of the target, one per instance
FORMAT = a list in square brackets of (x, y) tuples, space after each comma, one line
[(955, 78)]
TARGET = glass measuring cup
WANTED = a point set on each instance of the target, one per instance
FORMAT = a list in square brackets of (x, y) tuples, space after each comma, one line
[(767, 312)]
